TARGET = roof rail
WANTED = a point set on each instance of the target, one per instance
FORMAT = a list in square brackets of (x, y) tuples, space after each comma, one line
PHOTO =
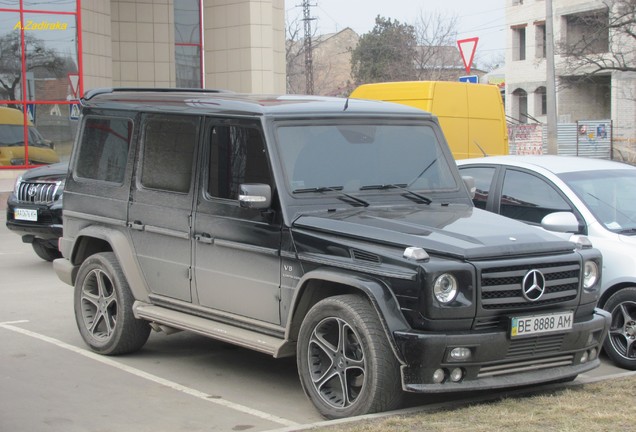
[(98, 91)]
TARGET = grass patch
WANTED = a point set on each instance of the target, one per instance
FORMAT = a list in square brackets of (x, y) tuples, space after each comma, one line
[(601, 406)]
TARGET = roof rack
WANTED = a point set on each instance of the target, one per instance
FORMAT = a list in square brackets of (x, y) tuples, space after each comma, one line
[(98, 91)]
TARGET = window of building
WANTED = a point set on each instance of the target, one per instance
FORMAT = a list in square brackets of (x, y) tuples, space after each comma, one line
[(42, 80), (587, 33), (104, 150), (540, 40), (168, 149), (521, 102), (188, 47), (540, 101), (237, 155), (519, 43)]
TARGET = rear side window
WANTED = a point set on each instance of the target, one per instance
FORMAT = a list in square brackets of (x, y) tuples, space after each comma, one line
[(168, 152), (104, 146)]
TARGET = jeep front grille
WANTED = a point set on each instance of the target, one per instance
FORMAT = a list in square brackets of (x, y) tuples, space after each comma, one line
[(525, 366), (501, 286), (39, 192)]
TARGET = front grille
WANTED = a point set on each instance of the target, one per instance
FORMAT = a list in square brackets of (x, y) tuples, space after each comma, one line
[(525, 366), (39, 192), (501, 286)]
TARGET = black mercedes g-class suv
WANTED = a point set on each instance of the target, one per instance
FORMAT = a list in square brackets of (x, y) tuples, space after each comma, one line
[(336, 230)]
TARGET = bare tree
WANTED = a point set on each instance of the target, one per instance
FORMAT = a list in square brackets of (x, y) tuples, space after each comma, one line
[(600, 42), (39, 57), (436, 52), (294, 56)]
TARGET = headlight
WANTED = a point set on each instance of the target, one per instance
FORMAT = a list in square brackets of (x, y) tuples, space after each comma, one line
[(445, 288), (590, 274), (18, 181)]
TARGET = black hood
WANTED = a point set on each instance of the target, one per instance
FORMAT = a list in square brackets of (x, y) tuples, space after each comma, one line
[(459, 231), (49, 172)]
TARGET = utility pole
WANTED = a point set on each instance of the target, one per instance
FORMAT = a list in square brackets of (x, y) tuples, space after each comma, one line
[(309, 60), (550, 87)]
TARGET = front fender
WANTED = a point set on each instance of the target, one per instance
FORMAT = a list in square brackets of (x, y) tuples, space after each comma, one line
[(378, 293)]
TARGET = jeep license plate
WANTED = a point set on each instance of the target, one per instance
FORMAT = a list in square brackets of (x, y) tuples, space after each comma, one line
[(26, 214), (541, 324)]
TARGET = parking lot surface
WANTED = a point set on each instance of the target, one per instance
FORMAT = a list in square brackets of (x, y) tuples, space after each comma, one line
[(50, 381)]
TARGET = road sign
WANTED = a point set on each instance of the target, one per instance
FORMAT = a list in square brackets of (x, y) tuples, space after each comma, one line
[(74, 111), (469, 79), (31, 112), (73, 79), (467, 49)]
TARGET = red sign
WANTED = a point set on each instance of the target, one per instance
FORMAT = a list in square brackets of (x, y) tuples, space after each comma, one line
[(467, 48)]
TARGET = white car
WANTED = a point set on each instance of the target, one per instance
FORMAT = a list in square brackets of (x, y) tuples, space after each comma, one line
[(574, 195)]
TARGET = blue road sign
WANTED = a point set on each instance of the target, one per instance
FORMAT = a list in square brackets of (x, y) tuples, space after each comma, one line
[(469, 79), (74, 111), (31, 112)]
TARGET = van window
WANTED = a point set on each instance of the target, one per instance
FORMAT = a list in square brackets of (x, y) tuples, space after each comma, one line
[(168, 152), (237, 155), (104, 149)]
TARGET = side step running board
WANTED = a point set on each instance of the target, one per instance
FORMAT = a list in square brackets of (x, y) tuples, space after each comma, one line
[(223, 332)]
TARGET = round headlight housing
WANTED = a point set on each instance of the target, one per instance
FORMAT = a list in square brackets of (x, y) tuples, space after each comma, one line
[(590, 274), (445, 288)]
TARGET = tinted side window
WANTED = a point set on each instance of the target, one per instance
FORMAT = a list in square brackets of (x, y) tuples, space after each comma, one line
[(168, 152), (483, 181), (528, 198), (103, 151), (237, 155)]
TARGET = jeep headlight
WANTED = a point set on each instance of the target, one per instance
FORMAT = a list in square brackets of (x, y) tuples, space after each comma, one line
[(445, 288), (590, 274), (18, 181)]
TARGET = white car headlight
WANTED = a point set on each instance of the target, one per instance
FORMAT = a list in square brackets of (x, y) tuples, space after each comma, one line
[(590, 274), (445, 288), (18, 181)]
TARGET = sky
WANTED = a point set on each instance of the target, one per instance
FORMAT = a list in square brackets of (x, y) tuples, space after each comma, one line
[(484, 19)]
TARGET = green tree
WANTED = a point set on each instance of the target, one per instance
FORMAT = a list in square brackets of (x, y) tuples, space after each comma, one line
[(386, 53)]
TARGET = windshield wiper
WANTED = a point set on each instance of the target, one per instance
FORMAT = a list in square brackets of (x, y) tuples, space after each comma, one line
[(627, 231), (322, 189), (401, 186)]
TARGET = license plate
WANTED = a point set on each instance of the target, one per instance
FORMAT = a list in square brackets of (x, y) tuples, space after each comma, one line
[(541, 324), (26, 214)]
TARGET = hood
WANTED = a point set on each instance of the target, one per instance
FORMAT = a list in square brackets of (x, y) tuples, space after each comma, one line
[(49, 172), (458, 231)]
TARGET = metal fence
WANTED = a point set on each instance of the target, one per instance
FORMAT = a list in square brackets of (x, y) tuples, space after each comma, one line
[(590, 138)]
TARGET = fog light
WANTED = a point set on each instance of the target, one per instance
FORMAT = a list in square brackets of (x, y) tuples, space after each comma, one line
[(593, 354), (438, 376), (460, 353), (584, 357), (590, 339), (456, 375)]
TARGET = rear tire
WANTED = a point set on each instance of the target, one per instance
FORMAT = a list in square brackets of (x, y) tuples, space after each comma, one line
[(620, 344), (345, 362), (45, 250), (103, 307)]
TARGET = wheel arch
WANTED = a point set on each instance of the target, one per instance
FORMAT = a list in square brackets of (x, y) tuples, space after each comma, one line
[(320, 284), (96, 239), (605, 295)]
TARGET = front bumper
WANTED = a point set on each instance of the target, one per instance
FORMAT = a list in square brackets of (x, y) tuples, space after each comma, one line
[(496, 360), (47, 227)]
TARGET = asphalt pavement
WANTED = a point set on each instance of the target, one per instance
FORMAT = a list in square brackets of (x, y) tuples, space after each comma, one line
[(50, 381)]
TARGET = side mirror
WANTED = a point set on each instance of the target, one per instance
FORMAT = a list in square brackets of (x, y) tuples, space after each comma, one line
[(255, 196), (470, 185), (564, 222)]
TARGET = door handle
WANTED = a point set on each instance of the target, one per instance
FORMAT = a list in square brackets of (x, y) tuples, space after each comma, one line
[(137, 225), (204, 238)]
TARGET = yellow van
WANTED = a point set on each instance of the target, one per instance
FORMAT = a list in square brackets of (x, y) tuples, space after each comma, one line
[(12, 148), (471, 115)]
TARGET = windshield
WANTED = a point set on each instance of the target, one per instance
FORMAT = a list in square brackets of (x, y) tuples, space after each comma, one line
[(363, 157), (609, 194), (13, 135)]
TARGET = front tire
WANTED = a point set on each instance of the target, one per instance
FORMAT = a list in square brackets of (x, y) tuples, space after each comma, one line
[(345, 362), (103, 307), (620, 344)]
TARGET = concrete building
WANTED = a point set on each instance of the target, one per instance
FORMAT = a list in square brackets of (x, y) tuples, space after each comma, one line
[(606, 95)]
